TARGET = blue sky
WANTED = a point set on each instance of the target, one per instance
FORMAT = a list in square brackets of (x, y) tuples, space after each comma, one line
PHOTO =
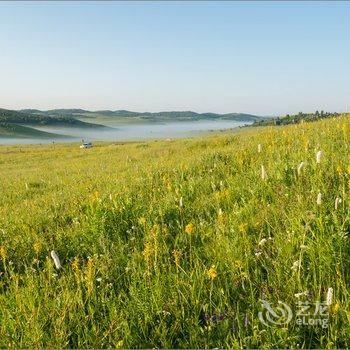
[(255, 57)]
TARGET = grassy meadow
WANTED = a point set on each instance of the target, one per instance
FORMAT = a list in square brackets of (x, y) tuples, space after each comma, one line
[(172, 244)]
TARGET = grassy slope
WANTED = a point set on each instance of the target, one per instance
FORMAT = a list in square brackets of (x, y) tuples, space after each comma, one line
[(15, 117), (20, 124), (295, 119), (136, 261), (20, 131)]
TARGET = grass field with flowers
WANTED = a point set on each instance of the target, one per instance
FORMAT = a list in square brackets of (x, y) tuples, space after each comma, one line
[(173, 244)]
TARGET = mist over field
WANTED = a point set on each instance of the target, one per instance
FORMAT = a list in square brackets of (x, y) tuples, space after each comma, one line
[(120, 132), (34, 126)]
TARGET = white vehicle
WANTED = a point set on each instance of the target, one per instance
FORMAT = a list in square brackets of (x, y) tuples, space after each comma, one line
[(86, 145)]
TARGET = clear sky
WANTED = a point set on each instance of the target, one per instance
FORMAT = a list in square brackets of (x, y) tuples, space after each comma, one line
[(255, 57)]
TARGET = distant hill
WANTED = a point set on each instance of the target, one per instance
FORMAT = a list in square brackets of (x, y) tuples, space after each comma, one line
[(20, 131), (27, 122), (21, 117), (22, 124), (295, 118), (150, 116), (53, 111)]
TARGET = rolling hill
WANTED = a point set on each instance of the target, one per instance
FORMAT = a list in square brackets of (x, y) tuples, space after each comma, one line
[(22, 124), (8, 130), (19, 117), (295, 118), (144, 116)]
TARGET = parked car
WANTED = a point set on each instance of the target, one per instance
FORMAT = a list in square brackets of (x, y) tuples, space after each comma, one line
[(86, 145)]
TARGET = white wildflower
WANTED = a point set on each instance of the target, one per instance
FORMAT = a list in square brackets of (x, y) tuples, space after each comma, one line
[(301, 167), (298, 295), (337, 202), (319, 199), (259, 148), (263, 173), (56, 259), (180, 202), (329, 296), (262, 242), (296, 265), (318, 157)]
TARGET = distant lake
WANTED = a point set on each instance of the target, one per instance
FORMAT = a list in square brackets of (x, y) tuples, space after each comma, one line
[(129, 132)]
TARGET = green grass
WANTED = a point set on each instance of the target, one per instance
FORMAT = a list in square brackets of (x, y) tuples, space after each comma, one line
[(22, 125), (20, 131), (156, 237), (295, 118)]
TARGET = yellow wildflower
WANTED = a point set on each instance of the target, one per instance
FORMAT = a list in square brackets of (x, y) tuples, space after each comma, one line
[(142, 220), (217, 194), (189, 228), (339, 169), (334, 309), (154, 230), (95, 196), (177, 257), (90, 264), (222, 218), (225, 193), (345, 129), (239, 264), (222, 194), (212, 273), (75, 264), (243, 227), (147, 252), (90, 275), (244, 274), (120, 344), (3, 252), (37, 247), (167, 182)]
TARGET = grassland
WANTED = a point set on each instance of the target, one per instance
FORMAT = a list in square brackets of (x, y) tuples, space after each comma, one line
[(22, 125), (295, 118), (174, 244), (8, 130)]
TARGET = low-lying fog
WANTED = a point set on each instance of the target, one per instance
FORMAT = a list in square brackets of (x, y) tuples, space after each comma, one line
[(124, 132)]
